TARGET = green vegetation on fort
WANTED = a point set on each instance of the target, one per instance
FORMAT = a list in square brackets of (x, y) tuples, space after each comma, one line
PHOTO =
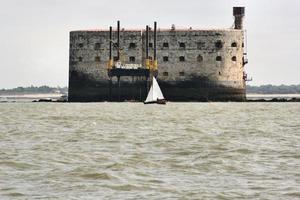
[(33, 90), (274, 89)]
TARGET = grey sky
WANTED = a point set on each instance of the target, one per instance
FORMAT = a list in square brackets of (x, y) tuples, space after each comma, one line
[(34, 34)]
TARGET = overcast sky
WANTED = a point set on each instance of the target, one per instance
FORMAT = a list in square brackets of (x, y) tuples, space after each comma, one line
[(34, 34)]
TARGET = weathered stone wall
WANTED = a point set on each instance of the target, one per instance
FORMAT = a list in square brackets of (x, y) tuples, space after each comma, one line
[(88, 45), (192, 64), (200, 54)]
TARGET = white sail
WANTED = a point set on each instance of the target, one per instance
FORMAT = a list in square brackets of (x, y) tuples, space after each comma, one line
[(154, 92)]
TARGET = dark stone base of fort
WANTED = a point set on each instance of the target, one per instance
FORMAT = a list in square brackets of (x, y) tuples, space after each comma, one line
[(82, 89), (179, 91)]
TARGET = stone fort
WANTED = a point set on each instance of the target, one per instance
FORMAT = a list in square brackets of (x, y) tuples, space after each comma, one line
[(192, 65)]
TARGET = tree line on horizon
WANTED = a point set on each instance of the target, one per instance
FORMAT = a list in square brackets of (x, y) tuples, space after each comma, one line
[(263, 89), (34, 90), (273, 89)]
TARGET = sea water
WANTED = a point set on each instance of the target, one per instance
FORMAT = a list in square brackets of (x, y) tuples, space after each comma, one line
[(136, 151)]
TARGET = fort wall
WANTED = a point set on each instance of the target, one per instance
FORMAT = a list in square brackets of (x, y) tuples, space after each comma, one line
[(193, 65)]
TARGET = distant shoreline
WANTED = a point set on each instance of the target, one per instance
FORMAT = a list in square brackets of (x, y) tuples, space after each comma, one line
[(32, 90), (259, 90), (32, 95), (253, 93), (29, 97), (55, 97), (53, 94), (272, 95), (43, 95)]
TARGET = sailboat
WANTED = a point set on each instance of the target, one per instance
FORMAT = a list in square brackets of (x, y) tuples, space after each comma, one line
[(155, 95)]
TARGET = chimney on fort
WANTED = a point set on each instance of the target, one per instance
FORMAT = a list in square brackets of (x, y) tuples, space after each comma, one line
[(239, 14)]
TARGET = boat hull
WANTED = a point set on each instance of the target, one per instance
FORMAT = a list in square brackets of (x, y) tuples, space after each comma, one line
[(158, 101)]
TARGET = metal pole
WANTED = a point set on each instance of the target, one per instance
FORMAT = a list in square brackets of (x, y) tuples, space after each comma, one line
[(118, 40), (147, 42), (110, 43), (154, 56), (110, 63), (147, 55)]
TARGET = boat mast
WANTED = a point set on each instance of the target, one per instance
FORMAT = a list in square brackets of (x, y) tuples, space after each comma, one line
[(151, 64)]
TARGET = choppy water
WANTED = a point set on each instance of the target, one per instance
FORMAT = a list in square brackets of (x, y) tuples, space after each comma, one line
[(132, 151)]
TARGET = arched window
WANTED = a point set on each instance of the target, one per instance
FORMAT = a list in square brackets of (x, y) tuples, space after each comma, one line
[(233, 58), (219, 44), (199, 58), (234, 44), (80, 45)]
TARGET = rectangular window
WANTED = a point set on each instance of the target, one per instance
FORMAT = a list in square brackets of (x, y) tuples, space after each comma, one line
[(166, 45), (80, 59), (97, 59), (150, 45), (165, 58), (132, 59), (165, 74), (181, 58), (181, 45), (132, 45), (97, 46), (80, 45), (115, 58), (181, 73)]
